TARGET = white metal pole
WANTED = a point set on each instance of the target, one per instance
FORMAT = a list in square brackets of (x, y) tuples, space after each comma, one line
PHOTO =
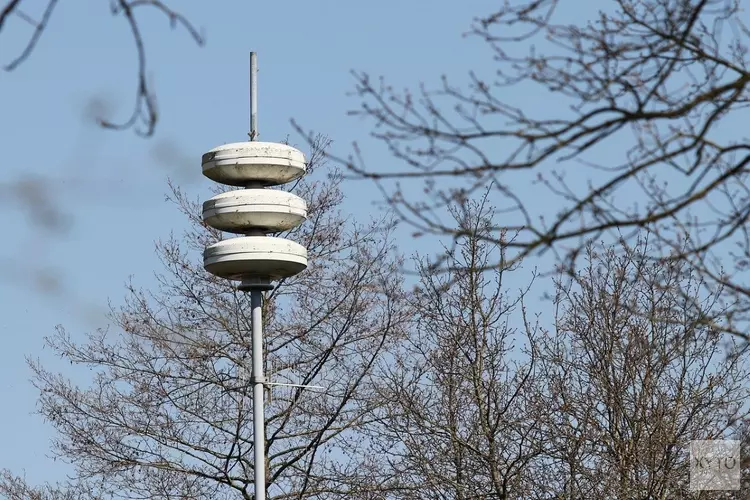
[(259, 434), (256, 303)]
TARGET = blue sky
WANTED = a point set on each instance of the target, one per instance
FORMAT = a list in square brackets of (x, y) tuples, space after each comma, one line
[(110, 186)]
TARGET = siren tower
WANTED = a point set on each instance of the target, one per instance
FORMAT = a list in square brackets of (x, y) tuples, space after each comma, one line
[(254, 258)]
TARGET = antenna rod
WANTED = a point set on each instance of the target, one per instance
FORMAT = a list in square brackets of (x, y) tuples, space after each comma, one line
[(253, 96)]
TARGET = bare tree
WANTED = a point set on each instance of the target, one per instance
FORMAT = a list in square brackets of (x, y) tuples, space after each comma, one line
[(645, 101), (168, 413), (145, 112), (627, 392), (459, 418), (15, 487), (602, 406)]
